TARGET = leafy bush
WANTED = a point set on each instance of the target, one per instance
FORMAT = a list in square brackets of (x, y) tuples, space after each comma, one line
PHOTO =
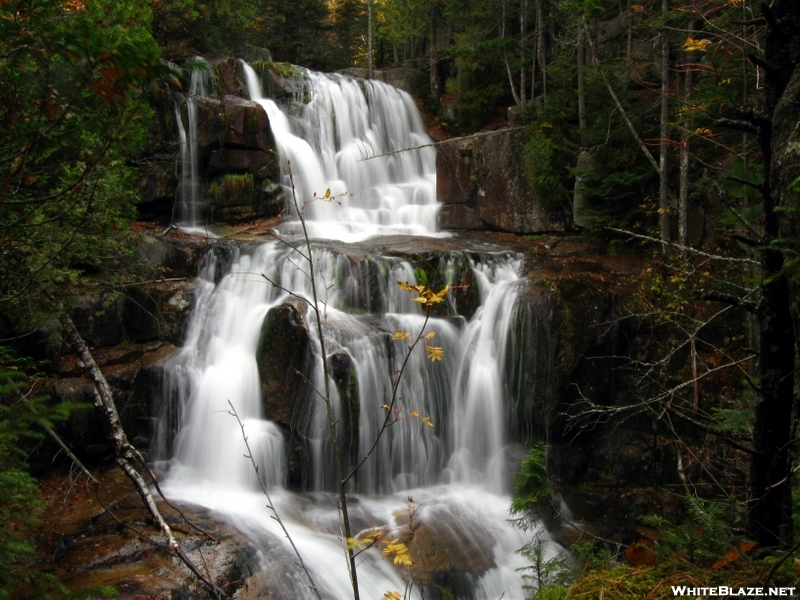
[(20, 504)]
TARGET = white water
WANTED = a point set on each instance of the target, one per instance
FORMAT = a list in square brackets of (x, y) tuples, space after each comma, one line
[(344, 123), (188, 215), (457, 472)]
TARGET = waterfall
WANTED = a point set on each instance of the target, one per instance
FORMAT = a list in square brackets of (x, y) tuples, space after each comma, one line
[(456, 471), (201, 83), (344, 142)]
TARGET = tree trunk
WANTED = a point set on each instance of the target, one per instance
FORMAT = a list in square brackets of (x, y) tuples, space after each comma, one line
[(369, 39), (683, 192), (540, 42), (663, 193), (769, 506), (129, 459), (523, 24), (582, 126), (434, 63)]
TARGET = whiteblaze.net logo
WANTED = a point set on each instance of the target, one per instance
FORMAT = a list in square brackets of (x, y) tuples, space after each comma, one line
[(723, 590)]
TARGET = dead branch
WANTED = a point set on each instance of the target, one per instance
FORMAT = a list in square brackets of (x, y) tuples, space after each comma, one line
[(448, 141), (127, 455), (682, 248), (270, 505)]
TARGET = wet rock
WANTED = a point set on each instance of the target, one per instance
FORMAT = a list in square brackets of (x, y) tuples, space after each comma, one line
[(346, 381), (282, 81), (162, 257), (157, 194), (85, 430), (238, 198), (460, 217), (252, 54), (283, 357), (413, 81), (230, 76), (487, 174), (148, 313), (147, 400), (408, 79), (247, 124), (447, 554), (98, 319), (99, 551), (225, 161)]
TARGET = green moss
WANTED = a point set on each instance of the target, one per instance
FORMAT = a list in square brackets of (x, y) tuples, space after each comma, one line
[(232, 189), (282, 69)]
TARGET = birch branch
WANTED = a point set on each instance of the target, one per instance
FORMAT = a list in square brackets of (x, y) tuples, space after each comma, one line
[(127, 455)]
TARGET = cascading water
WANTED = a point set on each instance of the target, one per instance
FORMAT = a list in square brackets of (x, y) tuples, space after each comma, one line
[(456, 471), (344, 143), (188, 205)]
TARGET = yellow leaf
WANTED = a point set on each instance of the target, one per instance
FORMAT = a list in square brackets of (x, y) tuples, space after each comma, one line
[(420, 299), (439, 296), (414, 414), (434, 353), (327, 193), (400, 335), (427, 421), (430, 335), (356, 544), (703, 131), (695, 45), (386, 407), (406, 286), (402, 558), (398, 551), (392, 596)]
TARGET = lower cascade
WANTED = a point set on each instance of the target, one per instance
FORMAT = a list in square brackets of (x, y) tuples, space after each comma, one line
[(457, 472), (442, 468)]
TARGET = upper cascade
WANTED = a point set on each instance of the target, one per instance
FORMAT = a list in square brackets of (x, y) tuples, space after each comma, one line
[(353, 138)]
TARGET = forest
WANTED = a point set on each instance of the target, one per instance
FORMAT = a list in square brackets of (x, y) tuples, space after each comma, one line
[(645, 377)]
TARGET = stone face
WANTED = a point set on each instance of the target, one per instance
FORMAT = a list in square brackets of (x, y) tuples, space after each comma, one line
[(247, 124), (236, 158), (344, 377), (283, 357), (230, 76), (223, 161), (98, 320), (408, 79), (484, 176), (157, 193), (282, 82), (283, 349)]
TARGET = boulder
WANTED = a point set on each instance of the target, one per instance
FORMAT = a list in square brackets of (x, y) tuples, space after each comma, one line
[(237, 159), (167, 257), (413, 81), (230, 122), (85, 430), (247, 125), (251, 54), (98, 319), (230, 76), (157, 194), (485, 174), (284, 348), (344, 377), (282, 81)]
